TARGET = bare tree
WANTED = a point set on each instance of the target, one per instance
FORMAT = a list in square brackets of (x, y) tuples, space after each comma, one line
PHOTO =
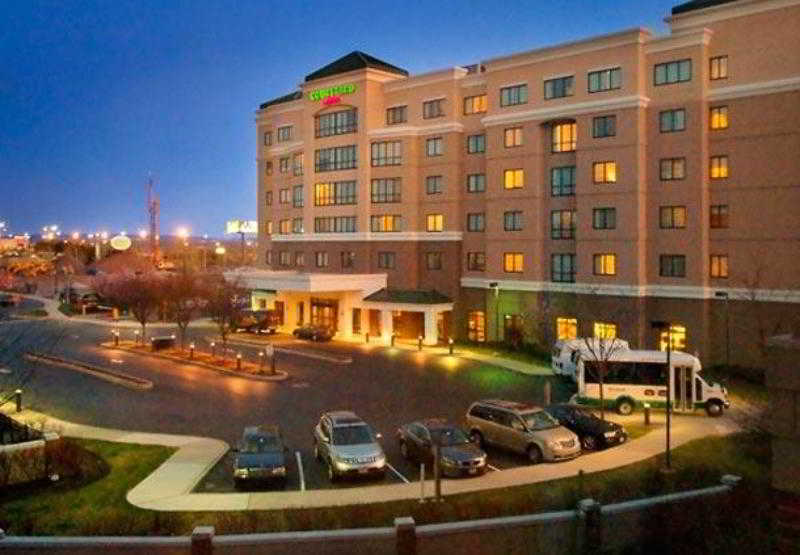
[(222, 298), (598, 353), (183, 295), (139, 293)]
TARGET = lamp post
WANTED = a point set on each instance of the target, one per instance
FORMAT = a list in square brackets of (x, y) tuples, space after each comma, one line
[(496, 286), (183, 235), (662, 326), (725, 295)]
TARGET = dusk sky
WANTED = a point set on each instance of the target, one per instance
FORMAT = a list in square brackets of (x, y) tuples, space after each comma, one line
[(95, 95)]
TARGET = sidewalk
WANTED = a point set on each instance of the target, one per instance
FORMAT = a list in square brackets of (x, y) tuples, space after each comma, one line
[(169, 487)]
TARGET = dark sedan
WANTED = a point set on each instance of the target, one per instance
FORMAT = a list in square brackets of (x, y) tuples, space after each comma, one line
[(260, 457), (593, 432), (459, 456), (314, 333)]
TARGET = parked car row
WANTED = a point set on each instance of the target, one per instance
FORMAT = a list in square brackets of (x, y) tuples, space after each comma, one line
[(348, 446), (314, 332)]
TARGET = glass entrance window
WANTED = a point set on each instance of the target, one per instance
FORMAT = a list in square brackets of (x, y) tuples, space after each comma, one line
[(677, 335), (476, 326), (324, 312)]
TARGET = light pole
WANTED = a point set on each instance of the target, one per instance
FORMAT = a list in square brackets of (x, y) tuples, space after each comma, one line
[(496, 286), (725, 295), (661, 326), (183, 235)]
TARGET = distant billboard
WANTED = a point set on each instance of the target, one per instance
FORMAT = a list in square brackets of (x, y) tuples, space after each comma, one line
[(242, 226)]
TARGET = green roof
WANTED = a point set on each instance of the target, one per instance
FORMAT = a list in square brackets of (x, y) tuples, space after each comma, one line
[(355, 60), (297, 95), (408, 296), (698, 5)]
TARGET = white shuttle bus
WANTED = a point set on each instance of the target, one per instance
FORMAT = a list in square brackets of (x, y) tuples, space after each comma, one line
[(637, 377), (566, 352)]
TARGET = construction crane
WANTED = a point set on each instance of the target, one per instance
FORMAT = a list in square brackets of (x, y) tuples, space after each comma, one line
[(153, 208)]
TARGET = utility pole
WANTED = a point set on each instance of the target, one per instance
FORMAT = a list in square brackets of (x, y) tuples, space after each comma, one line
[(153, 209)]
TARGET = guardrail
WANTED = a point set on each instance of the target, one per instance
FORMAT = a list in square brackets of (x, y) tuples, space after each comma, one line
[(589, 528)]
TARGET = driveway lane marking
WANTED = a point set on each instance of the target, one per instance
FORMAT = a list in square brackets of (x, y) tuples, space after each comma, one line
[(300, 470), (393, 469)]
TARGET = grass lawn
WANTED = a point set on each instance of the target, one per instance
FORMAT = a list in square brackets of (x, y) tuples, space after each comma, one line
[(504, 352), (99, 507)]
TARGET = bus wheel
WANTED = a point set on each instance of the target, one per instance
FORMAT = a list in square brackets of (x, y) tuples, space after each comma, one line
[(714, 408), (625, 407)]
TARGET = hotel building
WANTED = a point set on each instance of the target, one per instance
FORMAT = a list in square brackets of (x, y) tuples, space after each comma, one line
[(586, 188)]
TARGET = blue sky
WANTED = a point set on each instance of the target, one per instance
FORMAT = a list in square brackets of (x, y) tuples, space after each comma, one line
[(95, 95)]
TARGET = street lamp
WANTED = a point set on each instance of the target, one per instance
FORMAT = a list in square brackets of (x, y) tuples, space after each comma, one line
[(183, 235), (726, 296), (496, 287), (665, 326)]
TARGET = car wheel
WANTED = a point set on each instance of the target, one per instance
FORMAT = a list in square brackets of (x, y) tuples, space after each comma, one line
[(625, 407), (588, 443), (534, 454), (404, 449), (476, 438), (331, 473), (714, 408)]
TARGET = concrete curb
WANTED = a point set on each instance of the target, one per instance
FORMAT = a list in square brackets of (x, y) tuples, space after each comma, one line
[(308, 354), (279, 376), (119, 378)]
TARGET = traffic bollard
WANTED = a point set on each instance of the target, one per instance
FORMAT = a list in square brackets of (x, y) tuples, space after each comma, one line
[(393, 337), (260, 362), (238, 361), (191, 351), (366, 337), (647, 414), (213, 350), (18, 400), (419, 342), (450, 345)]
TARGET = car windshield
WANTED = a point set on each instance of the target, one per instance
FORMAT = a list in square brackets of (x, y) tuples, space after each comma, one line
[(352, 435), (259, 444), (447, 437), (539, 420)]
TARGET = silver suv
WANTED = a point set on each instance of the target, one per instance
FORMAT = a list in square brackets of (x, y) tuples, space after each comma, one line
[(521, 428), (348, 446)]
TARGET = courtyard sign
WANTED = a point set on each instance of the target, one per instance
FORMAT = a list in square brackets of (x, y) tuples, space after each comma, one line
[(332, 95)]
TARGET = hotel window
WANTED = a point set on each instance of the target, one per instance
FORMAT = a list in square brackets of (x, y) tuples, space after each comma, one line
[(672, 217), (670, 121), (476, 261), (336, 158), (564, 137), (511, 96), (268, 168), (512, 137), (719, 167), (267, 138), (562, 181), (719, 265), (347, 259), (297, 163), (388, 153), (269, 227), (476, 326), (268, 198), (335, 193), (386, 190), (433, 184), (386, 223), (299, 259), (284, 133), (562, 224), (476, 183), (559, 88), (475, 104), (672, 265), (604, 218), (335, 123), (512, 221), (513, 179), (512, 262), (433, 260), (321, 259), (475, 144), (434, 146), (672, 72), (604, 126), (396, 114), (335, 224), (604, 330), (285, 258), (604, 172), (676, 337), (297, 225), (283, 196), (718, 119), (435, 222), (566, 328), (605, 264), (718, 67), (476, 221), (433, 108), (605, 80), (719, 216), (283, 164), (562, 267), (285, 227), (386, 260), (268, 258), (671, 169), (297, 196)]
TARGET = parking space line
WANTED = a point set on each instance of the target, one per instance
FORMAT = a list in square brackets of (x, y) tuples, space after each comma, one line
[(393, 469), (300, 471), (493, 468)]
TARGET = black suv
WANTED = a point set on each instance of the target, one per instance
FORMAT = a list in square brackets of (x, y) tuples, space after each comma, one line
[(593, 432)]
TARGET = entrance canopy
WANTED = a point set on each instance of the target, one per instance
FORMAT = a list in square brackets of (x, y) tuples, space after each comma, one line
[(308, 282)]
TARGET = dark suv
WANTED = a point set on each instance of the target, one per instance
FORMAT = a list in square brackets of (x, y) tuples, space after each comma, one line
[(261, 456)]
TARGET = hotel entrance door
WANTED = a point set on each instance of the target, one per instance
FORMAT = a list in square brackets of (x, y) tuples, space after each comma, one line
[(324, 312)]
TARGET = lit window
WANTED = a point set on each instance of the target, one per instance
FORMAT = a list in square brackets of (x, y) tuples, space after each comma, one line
[(386, 223), (513, 137), (719, 167), (605, 264), (676, 337), (719, 117), (513, 179), (512, 262), (672, 217), (718, 67), (719, 265), (604, 172), (269, 226), (605, 330), (564, 137), (476, 325), (475, 104), (566, 328), (435, 222)]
